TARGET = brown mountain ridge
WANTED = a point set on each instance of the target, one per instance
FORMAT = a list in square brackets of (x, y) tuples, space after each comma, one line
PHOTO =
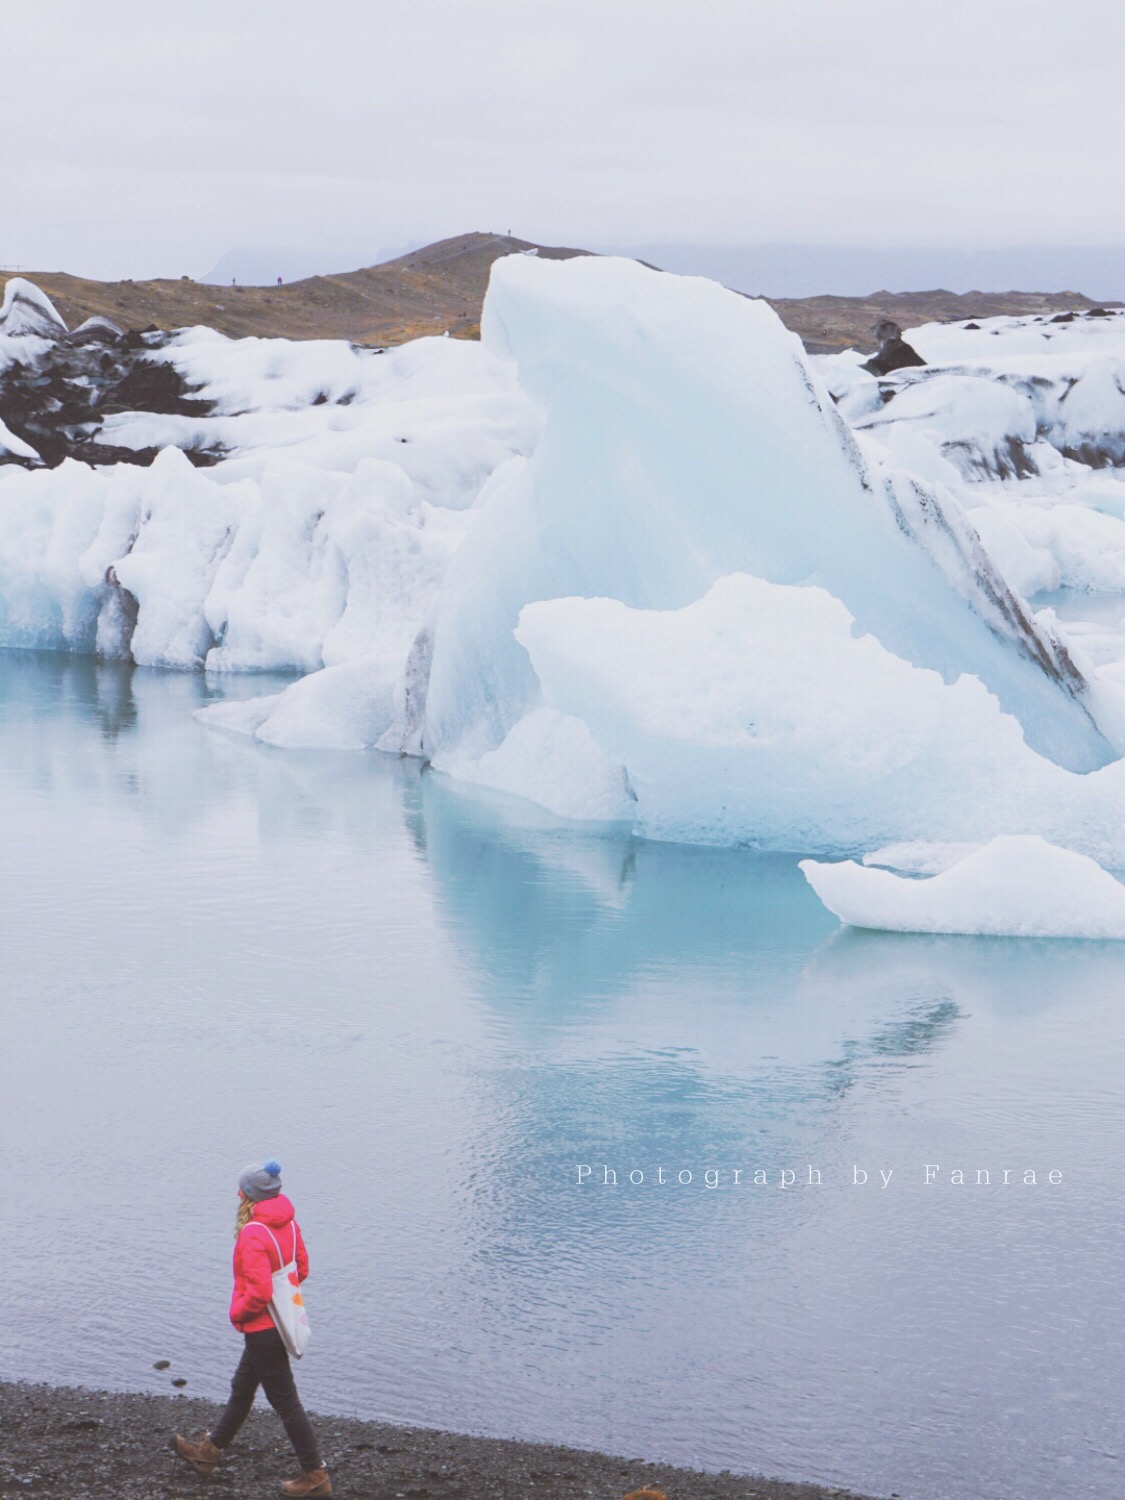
[(440, 288)]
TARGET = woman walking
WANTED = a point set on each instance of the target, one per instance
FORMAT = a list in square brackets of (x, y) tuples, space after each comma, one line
[(265, 1230)]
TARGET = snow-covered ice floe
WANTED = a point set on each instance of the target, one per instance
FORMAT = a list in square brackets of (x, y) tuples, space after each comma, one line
[(1025, 419), (633, 558), (757, 713), (322, 537), (1013, 887)]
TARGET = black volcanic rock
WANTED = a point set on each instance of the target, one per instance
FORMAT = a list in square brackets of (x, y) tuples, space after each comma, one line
[(112, 453), (157, 387), (894, 352), (57, 399), (146, 338), (60, 402)]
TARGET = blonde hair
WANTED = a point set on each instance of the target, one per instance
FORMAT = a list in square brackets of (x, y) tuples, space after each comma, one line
[(243, 1216)]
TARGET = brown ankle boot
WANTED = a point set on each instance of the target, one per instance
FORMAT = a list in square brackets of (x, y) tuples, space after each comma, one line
[(201, 1454), (311, 1482)]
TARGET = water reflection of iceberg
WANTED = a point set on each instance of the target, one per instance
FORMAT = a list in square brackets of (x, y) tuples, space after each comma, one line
[(670, 999), (691, 1008), (578, 934), (48, 684)]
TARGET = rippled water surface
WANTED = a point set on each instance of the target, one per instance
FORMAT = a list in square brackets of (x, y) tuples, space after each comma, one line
[(433, 1008)]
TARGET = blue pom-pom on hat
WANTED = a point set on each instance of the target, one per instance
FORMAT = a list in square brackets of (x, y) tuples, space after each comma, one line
[(272, 1167)]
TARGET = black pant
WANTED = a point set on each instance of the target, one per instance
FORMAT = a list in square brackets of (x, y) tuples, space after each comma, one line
[(265, 1363)]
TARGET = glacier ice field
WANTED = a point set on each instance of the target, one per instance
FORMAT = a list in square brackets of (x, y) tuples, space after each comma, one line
[(637, 559)]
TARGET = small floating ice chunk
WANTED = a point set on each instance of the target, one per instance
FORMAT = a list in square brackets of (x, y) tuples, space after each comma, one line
[(1016, 886), (345, 707), (239, 715)]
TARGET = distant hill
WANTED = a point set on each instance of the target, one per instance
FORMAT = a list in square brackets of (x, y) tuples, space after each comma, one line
[(795, 271), (828, 324), (441, 287), (435, 289)]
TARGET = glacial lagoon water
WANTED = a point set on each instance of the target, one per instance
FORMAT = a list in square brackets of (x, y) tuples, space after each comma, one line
[(434, 1007)]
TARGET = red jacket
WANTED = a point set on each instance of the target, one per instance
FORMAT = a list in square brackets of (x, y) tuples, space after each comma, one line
[(255, 1261)]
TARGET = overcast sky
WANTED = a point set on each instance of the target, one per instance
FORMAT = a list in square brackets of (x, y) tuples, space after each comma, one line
[(146, 139)]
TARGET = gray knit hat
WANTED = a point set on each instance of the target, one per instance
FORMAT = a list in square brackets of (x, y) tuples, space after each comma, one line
[(261, 1182)]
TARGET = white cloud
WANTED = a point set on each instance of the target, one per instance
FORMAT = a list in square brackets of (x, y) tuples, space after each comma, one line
[(145, 139)]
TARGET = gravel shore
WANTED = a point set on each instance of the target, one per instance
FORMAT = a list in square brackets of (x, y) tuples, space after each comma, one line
[(73, 1444)]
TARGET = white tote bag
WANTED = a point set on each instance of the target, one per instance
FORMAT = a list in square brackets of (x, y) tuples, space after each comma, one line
[(287, 1306)]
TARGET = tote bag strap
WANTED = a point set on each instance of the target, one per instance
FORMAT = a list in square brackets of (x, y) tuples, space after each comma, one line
[(281, 1264), (257, 1224)]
